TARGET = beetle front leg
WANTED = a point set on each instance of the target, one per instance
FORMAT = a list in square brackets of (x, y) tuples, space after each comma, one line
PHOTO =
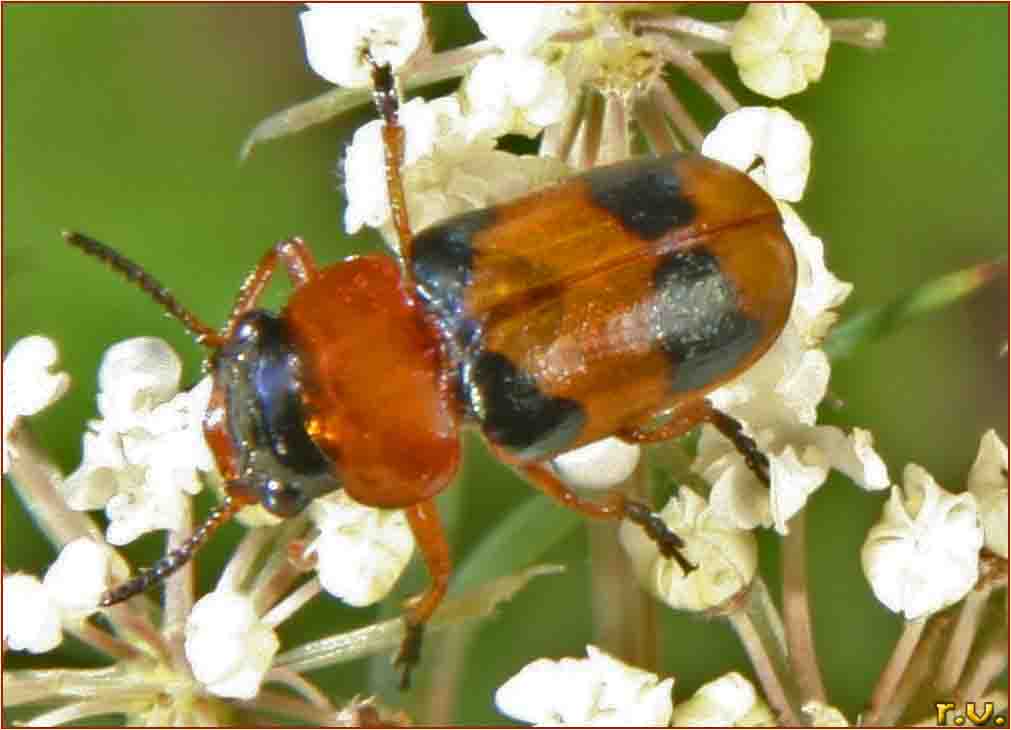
[(427, 528), (297, 260)]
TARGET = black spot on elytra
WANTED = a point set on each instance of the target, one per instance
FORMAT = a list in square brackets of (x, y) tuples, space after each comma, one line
[(645, 195), (697, 319), (515, 414)]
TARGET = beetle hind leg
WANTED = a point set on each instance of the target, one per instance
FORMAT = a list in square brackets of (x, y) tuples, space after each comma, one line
[(615, 507)]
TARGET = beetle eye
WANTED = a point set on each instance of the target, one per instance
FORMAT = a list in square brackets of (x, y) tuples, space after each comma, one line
[(283, 499)]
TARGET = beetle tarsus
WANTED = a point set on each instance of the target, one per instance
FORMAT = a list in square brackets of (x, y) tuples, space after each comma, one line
[(734, 430), (410, 652), (656, 529)]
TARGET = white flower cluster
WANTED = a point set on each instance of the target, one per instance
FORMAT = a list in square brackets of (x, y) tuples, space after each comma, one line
[(29, 385), (142, 462), (143, 457), (924, 553), (35, 612), (598, 691)]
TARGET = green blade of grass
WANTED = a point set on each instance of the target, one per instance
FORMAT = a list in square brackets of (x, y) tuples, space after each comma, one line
[(874, 323), (520, 539)]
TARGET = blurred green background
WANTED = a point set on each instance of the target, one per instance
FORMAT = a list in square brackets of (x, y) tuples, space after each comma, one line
[(125, 122)]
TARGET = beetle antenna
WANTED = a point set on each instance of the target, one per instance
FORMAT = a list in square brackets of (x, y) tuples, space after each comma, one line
[(159, 571), (133, 273)]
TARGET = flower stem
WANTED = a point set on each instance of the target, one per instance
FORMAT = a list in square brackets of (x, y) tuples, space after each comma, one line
[(383, 636), (992, 661), (682, 120), (35, 478), (797, 612), (760, 630), (654, 127), (614, 139), (969, 617), (104, 642), (292, 602), (695, 70), (888, 682)]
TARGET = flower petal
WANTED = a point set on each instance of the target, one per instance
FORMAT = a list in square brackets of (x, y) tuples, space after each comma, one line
[(337, 34)]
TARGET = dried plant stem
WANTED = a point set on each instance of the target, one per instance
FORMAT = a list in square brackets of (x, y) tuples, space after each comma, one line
[(797, 612), (614, 142), (104, 642), (75, 711), (386, 635), (970, 615), (179, 585), (760, 630), (716, 36), (587, 146), (278, 703), (992, 661), (36, 479), (624, 616), (241, 561), (558, 139), (696, 71), (659, 137), (292, 602), (683, 122), (882, 699), (300, 684)]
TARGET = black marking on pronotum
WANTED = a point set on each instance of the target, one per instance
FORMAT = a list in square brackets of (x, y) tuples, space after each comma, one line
[(262, 376), (645, 195), (515, 414), (697, 319)]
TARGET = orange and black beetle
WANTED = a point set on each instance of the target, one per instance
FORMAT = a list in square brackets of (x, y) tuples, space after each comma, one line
[(578, 312)]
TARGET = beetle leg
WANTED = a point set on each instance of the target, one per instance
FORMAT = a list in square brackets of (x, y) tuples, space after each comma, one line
[(427, 528), (297, 260), (615, 507), (733, 430), (689, 416), (384, 94)]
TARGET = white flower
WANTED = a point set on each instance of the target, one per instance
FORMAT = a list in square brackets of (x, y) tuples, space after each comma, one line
[(337, 34), (596, 691), (228, 647), (800, 458), (80, 575), (727, 558), (777, 399), (145, 455), (988, 483), (524, 27), (34, 612), (29, 384), (729, 701), (818, 289), (779, 48), (445, 171), (513, 93), (600, 465), (818, 714), (923, 554), (30, 618), (771, 136), (361, 551)]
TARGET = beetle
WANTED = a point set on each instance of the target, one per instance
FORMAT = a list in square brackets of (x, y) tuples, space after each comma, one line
[(582, 311)]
